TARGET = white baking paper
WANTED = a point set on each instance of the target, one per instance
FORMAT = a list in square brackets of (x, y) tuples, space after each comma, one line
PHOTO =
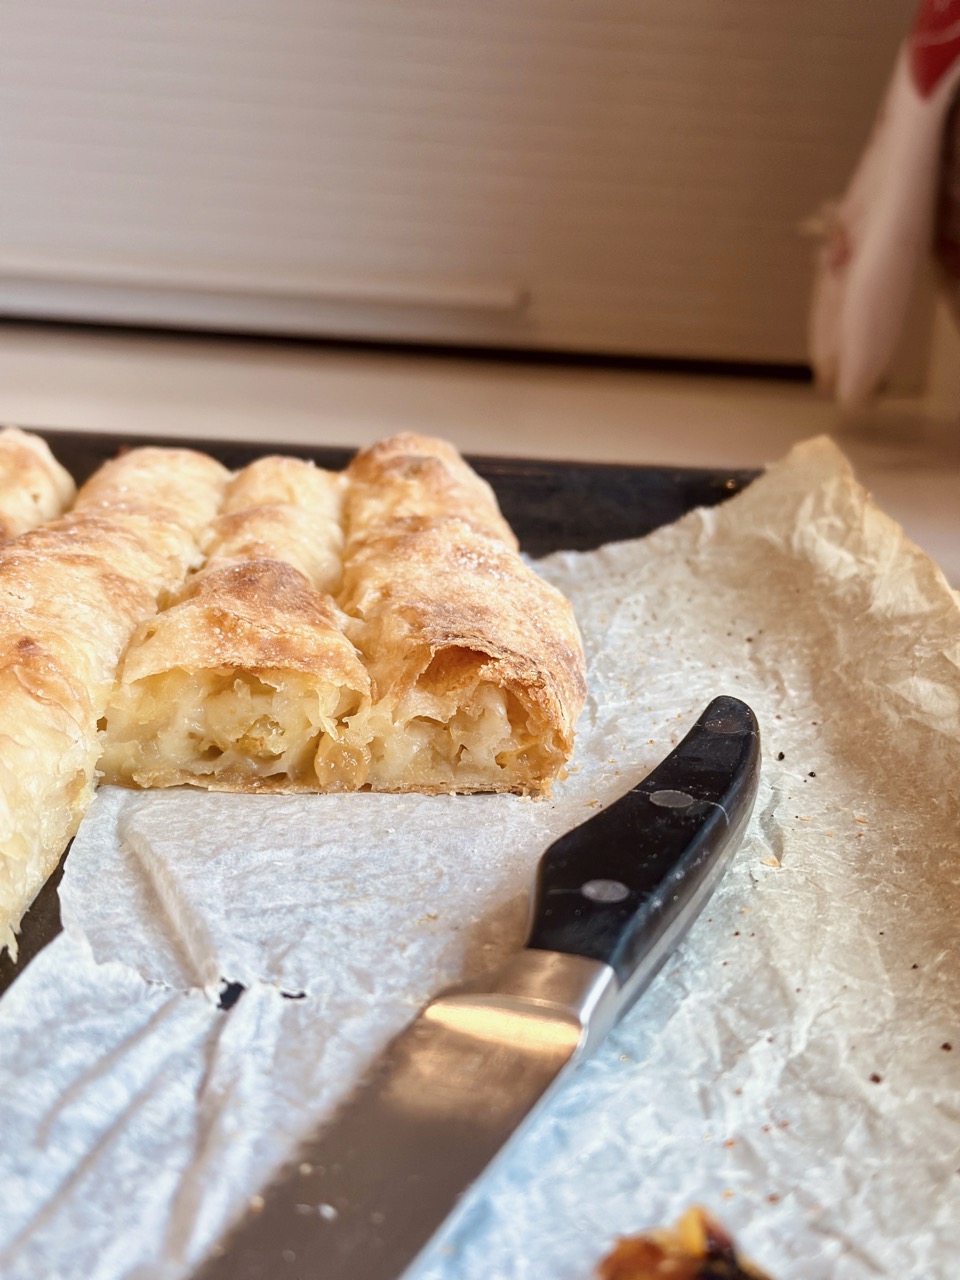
[(796, 1066)]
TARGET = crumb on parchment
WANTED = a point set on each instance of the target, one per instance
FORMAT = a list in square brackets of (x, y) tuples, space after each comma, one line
[(697, 1247)]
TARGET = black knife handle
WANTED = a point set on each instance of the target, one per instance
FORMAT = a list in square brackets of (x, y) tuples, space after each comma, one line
[(624, 887)]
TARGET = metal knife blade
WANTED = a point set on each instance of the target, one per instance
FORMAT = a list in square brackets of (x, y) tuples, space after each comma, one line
[(613, 898)]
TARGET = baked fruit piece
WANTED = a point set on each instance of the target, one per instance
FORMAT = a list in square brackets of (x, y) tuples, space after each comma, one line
[(697, 1248), (71, 594), (476, 663), (236, 684), (33, 485)]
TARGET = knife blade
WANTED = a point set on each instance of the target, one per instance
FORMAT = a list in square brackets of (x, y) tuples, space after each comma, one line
[(613, 898)]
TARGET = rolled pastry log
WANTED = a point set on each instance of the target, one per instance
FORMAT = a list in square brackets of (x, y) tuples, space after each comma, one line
[(476, 663), (284, 509), (236, 685), (408, 480), (71, 594), (34, 487)]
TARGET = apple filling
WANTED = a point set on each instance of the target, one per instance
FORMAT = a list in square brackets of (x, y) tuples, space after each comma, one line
[(224, 729)]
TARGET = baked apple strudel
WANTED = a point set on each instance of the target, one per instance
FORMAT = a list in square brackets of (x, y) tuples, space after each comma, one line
[(71, 594), (375, 629), (235, 685), (34, 487)]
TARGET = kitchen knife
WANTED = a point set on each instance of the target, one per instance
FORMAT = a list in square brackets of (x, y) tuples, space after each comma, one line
[(613, 898)]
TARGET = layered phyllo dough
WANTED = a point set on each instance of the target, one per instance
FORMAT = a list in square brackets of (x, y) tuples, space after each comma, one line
[(282, 629), (288, 510), (375, 629), (72, 592), (237, 684), (475, 662), (33, 485), (407, 480)]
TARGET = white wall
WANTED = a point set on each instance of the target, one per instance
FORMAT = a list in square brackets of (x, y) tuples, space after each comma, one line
[(627, 175)]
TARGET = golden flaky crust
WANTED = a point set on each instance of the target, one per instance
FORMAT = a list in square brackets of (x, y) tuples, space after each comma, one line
[(445, 664), (283, 629), (410, 479), (287, 482), (233, 686), (33, 485), (253, 614), (283, 509), (472, 655), (418, 593), (71, 594)]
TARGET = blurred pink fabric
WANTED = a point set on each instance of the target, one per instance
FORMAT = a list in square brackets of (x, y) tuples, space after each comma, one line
[(902, 203)]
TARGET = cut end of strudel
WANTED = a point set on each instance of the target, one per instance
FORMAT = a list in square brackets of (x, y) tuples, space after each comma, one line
[(476, 664), (370, 630), (235, 686)]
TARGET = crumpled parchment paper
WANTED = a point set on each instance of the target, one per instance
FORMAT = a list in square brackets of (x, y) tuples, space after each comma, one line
[(795, 1067)]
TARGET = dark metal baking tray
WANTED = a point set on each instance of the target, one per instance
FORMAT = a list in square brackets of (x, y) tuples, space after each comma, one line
[(552, 506)]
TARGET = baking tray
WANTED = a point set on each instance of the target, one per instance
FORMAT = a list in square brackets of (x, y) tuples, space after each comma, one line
[(551, 505)]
